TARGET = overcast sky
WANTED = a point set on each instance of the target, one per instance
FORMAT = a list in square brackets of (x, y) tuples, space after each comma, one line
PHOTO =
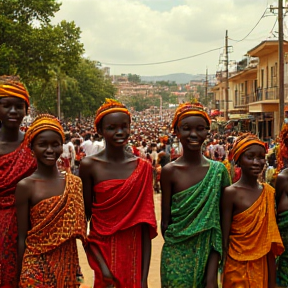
[(149, 31)]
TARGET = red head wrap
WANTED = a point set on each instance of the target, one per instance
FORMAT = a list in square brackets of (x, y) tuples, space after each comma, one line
[(10, 86)]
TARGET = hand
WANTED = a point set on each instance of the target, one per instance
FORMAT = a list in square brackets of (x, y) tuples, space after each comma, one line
[(144, 284), (110, 281)]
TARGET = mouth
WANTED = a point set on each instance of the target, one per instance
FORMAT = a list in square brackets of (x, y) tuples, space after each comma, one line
[(193, 142), (120, 141), (12, 119), (50, 158)]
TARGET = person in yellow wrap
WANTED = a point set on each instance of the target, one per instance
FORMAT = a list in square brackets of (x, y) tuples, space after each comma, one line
[(251, 239)]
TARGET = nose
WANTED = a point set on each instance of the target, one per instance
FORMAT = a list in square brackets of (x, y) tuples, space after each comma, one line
[(13, 109), (49, 149), (119, 131), (193, 133)]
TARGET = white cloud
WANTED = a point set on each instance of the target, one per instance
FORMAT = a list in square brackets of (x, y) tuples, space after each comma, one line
[(142, 31)]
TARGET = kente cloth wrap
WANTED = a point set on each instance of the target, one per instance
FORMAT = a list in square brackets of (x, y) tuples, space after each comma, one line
[(42, 123), (110, 106), (282, 270), (253, 234), (14, 167), (120, 209), (194, 230), (10, 87), (189, 109), (242, 144), (51, 258)]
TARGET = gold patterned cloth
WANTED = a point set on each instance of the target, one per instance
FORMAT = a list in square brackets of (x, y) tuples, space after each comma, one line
[(254, 233), (51, 257)]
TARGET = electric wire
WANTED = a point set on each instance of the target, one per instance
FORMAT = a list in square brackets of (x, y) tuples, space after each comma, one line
[(251, 29), (161, 62)]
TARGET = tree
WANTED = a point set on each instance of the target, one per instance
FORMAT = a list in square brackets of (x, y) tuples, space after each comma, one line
[(134, 78)]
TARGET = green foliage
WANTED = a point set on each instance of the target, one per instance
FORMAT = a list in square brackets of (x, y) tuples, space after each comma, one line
[(134, 78), (140, 102), (48, 56)]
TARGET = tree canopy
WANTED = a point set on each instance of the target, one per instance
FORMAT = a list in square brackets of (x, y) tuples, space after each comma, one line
[(49, 57)]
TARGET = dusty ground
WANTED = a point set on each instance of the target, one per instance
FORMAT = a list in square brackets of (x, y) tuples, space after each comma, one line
[(154, 274)]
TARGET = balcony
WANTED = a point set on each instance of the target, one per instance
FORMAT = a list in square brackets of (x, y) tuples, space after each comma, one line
[(264, 94)]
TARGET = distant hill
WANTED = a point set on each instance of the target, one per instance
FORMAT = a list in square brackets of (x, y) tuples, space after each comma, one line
[(179, 78)]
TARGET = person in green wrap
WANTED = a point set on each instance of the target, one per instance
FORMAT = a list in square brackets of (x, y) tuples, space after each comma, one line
[(282, 205), (191, 190)]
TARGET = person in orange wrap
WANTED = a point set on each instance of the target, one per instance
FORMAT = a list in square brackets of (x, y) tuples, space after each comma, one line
[(50, 213), (251, 239), (16, 163), (118, 196)]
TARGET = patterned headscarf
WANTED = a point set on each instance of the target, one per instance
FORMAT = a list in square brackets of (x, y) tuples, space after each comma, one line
[(41, 123), (188, 109), (110, 106), (10, 86), (242, 144)]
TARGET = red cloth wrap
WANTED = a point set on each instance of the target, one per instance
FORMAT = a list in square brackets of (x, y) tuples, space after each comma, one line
[(120, 207), (13, 167)]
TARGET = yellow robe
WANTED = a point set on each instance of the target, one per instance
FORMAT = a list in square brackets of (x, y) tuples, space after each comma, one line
[(253, 234)]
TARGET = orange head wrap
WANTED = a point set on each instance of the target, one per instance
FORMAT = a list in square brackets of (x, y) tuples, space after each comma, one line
[(110, 106), (188, 109), (242, 144), (42, 123), (10, 86)]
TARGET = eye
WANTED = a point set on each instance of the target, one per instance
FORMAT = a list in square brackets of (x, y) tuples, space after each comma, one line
[(200, 128)]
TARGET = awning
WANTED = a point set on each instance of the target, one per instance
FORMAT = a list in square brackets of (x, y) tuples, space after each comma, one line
[(240, 116)]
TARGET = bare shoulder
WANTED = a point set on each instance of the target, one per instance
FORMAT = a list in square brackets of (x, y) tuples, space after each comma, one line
[(230, 190), (24, 187)]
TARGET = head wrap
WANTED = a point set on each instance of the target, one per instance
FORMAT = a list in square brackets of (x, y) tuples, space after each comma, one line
[(189, 109), (42, 123), (10, 86), (242, 144), (110, 106)]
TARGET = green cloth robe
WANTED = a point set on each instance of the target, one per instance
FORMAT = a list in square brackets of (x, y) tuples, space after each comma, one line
[(194, 230)]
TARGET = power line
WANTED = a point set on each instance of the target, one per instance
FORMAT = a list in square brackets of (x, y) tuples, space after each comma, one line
[(162, 62), (252, 28)]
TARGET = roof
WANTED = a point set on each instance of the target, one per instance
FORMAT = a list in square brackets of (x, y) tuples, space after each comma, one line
[(266, 47)]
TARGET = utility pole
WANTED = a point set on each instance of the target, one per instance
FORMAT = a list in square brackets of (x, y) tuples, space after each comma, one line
[(226, 78), (281, 63), (58, 99), (206, 87)]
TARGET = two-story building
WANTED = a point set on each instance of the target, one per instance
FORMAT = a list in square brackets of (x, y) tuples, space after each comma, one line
[(253, 90)]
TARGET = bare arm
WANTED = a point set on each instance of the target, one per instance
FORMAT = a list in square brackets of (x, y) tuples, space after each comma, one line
[(84, 174), (166, 188), (146, 254), (226, 217), (271, 270), (22, 195), (280, 187), (92, 249), (212, 269)]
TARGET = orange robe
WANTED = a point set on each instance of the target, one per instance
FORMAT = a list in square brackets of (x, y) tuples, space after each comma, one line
[(119, 209), (51, 257), (253, 234), (14, 167)]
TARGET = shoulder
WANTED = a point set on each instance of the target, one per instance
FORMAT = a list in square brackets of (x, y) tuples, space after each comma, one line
[(25, 187), (169, 168), (230, 190), (269, 188)]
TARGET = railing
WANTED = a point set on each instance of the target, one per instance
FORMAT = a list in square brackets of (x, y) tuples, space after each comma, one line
[(264, 94)]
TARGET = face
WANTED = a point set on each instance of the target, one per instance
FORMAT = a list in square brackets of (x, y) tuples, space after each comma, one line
[(12, 111), (252, 161), (192, 132), (115, 128), (47, 147)]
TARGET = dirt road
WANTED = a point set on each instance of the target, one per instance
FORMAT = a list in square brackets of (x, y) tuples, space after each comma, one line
[(154, 274)]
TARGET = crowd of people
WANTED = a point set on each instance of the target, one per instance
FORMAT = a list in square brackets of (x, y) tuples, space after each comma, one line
[(217, 209)]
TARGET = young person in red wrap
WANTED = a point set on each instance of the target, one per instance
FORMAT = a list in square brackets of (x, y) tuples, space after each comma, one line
[(118, 197), (16, 163)]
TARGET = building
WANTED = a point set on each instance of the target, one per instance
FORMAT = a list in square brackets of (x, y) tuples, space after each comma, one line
[(253, 89)]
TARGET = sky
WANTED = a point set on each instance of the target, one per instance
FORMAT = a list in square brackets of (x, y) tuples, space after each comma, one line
[(152, 31)]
